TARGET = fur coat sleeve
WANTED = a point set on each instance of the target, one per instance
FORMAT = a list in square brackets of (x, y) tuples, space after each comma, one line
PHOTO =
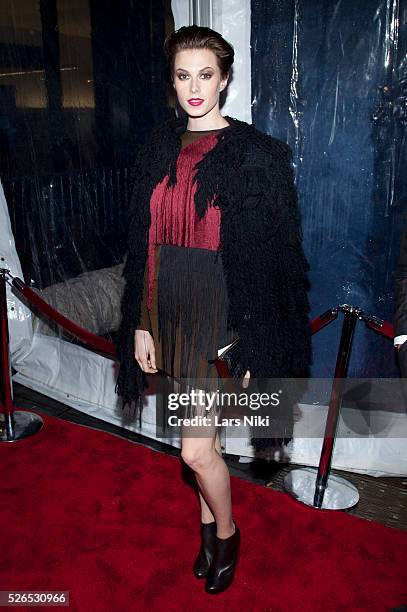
[(131, 380), (269, 285), (267, 269)]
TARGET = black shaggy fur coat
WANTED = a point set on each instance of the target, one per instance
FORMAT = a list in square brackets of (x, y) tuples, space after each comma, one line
[(260, 241)]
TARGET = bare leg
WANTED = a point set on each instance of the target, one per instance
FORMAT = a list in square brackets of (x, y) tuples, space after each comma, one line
[(206, 514), (213, 478)]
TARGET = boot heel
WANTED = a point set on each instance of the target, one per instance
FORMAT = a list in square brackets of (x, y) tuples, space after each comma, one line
[(206, 551), (222, 569)]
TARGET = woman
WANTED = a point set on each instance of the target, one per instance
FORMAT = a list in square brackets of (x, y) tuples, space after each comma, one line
[(214, 253)]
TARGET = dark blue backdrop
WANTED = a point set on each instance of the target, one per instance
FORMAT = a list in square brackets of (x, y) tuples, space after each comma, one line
[(329, 78)]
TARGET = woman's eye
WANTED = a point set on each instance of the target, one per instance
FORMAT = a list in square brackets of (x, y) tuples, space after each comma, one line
[(207, 76)]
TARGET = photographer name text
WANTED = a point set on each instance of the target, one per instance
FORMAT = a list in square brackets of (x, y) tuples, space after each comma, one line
[(204, 421)]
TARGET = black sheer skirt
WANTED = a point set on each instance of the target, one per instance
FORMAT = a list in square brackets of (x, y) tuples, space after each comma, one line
[(188, 322)]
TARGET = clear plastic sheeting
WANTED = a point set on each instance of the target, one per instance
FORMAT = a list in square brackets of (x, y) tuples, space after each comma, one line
[(19, 316), (330, 78), (81, 85)]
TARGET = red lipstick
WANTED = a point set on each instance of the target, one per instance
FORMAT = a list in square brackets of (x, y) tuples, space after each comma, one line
[(195, 101)]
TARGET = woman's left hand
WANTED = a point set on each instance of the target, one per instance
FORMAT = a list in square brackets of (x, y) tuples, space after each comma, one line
[(246, 379)]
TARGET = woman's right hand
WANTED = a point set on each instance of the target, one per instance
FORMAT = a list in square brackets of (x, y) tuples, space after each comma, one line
[(144, 351)]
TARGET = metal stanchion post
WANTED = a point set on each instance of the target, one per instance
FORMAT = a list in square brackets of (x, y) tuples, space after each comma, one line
[(307, 484), (16, 424)]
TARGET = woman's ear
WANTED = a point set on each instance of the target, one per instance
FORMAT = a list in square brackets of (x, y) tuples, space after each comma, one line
[(223, 83)]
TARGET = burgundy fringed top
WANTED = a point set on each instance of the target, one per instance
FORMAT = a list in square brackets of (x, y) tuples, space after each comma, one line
[(174, 219)]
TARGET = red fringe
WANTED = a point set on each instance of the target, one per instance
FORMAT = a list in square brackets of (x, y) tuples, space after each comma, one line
[(174, 219)]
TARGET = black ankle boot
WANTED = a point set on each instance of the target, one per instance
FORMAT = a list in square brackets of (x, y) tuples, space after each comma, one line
[(207, 550), (222, 569)]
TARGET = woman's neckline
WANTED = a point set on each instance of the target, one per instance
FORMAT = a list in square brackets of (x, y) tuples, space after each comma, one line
[(212, 130)]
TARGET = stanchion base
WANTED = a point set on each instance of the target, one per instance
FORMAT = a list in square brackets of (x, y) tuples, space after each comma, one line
[(24, 424), (339, 494)]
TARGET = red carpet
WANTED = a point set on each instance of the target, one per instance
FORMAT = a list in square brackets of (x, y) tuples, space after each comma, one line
[(116, 525)]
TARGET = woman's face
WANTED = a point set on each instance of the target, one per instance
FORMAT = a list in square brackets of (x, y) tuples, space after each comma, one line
[(198, 81)]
